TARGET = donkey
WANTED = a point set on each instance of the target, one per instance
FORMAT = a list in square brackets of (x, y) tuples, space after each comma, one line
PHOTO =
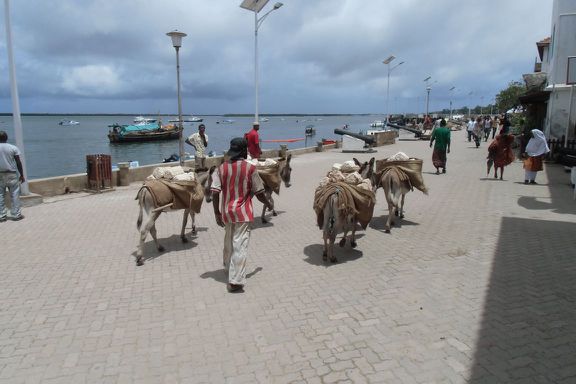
[(338, 221), (396, 185), (285, 175), (146, 204)]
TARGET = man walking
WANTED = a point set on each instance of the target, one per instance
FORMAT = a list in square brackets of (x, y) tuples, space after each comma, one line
[(199, 141), (11, 176), (442, 137), (253, 140), (470, 128), (237, 180)]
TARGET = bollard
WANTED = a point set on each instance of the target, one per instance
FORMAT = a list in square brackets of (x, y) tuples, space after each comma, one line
[(124, 174), (319, 146), (283, 150)]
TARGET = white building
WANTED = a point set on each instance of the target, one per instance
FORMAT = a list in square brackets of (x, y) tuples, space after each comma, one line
[(560, 116)]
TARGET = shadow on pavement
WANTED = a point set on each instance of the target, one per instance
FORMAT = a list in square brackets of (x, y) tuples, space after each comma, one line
[(343, 255), (528, 331), (172, 243), (220, 276), (379, 223)]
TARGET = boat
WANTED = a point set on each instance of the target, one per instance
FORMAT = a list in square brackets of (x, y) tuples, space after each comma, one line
[(140, 120), (378, 124), (225, 121), (68, 122), (310, 130), (264, 119), (142, 132), (191, 119)]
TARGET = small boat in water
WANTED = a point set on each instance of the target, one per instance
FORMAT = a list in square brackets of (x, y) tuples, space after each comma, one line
[(142, 132), (189, 119), (378, 124), (310, 130), (140, 120), (68, 122), (225, 121)]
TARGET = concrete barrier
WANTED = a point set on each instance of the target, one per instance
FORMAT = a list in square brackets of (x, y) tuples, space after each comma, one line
[(54, 186)]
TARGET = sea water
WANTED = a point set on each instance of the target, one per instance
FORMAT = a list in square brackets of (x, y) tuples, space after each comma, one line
[(52, 150)]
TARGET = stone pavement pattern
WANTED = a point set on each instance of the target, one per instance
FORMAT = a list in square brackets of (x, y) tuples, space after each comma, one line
[(476, 284)]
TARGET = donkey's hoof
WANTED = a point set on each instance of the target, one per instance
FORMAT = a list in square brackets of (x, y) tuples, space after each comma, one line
[(264, 221), (333, 259), (161, 248), (184, 239), (395, 213), (194, 230), (274, 213), (139, 261), (353, 244), (324, 256), (402, 216), (387, 230), (342, 242)]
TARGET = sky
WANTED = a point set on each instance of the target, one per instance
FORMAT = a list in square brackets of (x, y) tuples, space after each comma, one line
[(314, 56)]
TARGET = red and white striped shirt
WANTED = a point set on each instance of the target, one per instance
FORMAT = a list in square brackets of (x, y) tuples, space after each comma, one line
[(238, 181)]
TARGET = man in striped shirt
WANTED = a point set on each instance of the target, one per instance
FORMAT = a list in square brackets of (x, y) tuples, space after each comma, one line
[(237, 180)]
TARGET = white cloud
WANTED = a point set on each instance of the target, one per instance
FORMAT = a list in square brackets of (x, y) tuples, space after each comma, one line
[(91, 80)]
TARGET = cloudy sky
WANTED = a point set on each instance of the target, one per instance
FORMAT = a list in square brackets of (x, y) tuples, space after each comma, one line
[(315, 56)]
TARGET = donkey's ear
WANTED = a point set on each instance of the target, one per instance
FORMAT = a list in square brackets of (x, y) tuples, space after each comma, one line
[(212, 169), (357, 162), (288, 158), (372, 161)]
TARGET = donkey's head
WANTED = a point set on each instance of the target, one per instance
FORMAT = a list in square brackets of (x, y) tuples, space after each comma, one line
[(367, 172), (286, 172), (205, 179)]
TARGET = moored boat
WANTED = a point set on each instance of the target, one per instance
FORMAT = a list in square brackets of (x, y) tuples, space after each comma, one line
[(142, 132), (68, 122), (141, 120)]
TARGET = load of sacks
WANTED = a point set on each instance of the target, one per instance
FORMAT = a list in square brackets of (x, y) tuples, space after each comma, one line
[(348, 173), (176, 173)]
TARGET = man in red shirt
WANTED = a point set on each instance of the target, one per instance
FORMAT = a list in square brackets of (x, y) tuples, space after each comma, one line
[(254, 142), (237, 180)]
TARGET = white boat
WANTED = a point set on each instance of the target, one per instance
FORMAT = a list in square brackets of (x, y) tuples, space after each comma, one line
[(68, 122), (378, 124), (189, 119), (139, 120), (264, 119), (225, 121)]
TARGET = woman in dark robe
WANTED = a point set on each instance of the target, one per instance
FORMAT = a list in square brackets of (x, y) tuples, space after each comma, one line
[(500, 153)]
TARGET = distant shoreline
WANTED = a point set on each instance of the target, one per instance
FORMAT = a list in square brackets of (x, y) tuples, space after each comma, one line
[(172, 114)]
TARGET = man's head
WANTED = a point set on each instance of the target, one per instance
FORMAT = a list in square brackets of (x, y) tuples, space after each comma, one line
[(201, 128), (442, 123), (256, 126), (238, 149), (3, 137)]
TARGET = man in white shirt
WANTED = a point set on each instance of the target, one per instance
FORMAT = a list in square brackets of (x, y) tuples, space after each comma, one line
[(199, 141), (11, 176), (470, 128)]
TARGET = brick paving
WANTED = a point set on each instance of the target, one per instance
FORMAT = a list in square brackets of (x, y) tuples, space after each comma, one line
[(476, 284)]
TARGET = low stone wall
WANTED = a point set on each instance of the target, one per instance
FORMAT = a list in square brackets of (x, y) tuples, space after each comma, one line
[(61, 185)]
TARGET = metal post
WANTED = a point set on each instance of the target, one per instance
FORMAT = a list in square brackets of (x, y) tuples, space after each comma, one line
[(569, 117), (16, 118), (256, 119), (388, 96), (427, 99), (180, 137)]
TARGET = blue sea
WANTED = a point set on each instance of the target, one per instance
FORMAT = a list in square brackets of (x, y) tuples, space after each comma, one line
[(52, 150)]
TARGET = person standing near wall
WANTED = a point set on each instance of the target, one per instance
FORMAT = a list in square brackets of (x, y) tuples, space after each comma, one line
[(534, 154), (11, 177), (199, 141)]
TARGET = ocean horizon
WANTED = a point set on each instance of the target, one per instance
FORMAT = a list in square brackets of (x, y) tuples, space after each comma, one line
[(52, 150)]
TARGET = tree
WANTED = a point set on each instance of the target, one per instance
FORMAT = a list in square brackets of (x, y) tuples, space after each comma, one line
[(508, 98)]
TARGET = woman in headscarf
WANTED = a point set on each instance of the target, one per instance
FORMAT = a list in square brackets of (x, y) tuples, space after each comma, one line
[(535, 151), (500, 153)]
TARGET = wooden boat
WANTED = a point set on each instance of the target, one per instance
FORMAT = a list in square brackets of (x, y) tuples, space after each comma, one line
[(140, 133)]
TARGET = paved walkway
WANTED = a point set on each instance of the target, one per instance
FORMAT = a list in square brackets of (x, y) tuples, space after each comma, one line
[(476, 284)]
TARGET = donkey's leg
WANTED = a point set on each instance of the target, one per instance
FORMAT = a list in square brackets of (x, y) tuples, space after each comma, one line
[(402, 206), (272, 202), (152, 228), (184, 222), (263, 216), (390, 221), (331, 255), (343, 240), (193, 217), (325, 252), (353, 236)]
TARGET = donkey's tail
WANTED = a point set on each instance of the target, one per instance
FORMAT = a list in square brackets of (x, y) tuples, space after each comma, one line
[(140, 197)]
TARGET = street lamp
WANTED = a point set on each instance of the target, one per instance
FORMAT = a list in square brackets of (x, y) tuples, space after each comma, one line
[(450, 90), (428, 88), (177, 43), (256, 6), (387, 62), (469, 94)]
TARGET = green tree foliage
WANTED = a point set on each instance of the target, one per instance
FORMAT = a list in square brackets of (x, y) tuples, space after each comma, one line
[(508, 98)]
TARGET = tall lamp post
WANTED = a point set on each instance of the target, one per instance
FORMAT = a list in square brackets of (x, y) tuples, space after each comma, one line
[(16, 118), (428, 88), (450, 90), (387, 62), (256, 6), (177, 43), (469, 94)]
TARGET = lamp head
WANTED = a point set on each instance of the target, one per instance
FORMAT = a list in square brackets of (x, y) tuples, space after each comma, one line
[(428, 78), (278, 5), (176, 38), (389, 59)]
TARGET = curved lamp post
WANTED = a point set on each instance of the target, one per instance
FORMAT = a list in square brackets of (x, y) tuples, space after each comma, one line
[(450, 91), (177, 43), (428, 89), (387, 62), (256, 6)]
